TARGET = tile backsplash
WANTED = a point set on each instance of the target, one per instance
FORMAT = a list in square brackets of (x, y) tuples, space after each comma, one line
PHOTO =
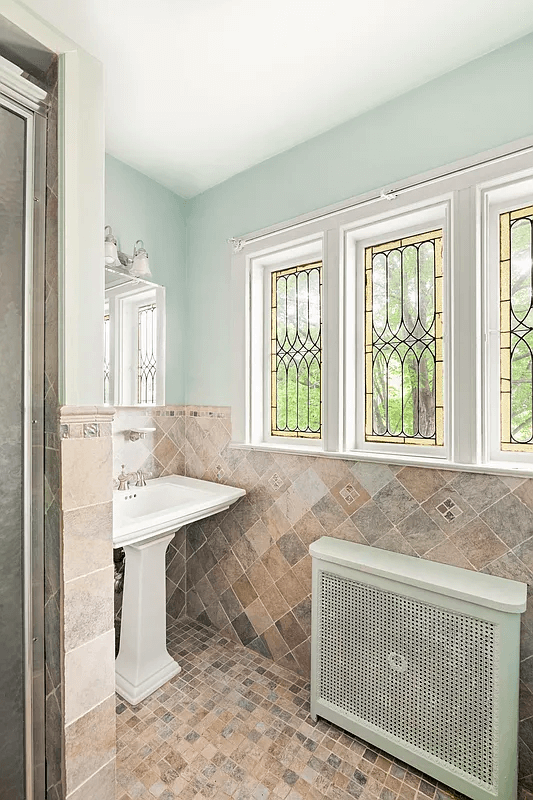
[(160, 452), (247, 571)]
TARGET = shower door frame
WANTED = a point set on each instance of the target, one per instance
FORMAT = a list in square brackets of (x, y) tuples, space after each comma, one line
[(33, 111)]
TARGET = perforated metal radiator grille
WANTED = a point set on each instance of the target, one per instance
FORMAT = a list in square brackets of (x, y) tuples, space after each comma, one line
[(418, 673)]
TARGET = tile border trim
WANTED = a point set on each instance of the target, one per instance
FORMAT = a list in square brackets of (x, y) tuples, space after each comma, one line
[(85, 422)]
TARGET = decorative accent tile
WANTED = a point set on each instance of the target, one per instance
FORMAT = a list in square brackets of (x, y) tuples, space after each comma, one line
[(453, 521), (449, 510), (90, 430), (349, 494), (275, 481), (64, 431)]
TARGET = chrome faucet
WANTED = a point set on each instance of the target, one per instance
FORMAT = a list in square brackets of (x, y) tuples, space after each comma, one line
[(124, 480)]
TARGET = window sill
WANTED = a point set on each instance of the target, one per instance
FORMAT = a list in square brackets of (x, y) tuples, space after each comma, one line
[(520, 471)]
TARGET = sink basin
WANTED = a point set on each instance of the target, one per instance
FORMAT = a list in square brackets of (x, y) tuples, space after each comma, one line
[(145, 520), (166, 504)]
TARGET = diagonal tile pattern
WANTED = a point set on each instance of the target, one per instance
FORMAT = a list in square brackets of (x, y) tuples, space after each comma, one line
[(235, 725), (477, 522), (248, 572)]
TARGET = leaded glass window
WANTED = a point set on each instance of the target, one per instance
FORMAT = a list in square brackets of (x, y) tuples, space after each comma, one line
[(403, 341), (296, 352), (516, 329), (147, 362), (107, 358)]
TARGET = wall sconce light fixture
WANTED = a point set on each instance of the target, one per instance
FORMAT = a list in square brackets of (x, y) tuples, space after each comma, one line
[(140, 266), (136, 265), (110, 244)]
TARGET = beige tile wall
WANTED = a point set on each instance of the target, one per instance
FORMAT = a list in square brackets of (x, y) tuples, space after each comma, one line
[(160, 452), (87, 592), (249, 571)]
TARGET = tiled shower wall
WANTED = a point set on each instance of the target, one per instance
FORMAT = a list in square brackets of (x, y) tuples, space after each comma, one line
[(249, 571)]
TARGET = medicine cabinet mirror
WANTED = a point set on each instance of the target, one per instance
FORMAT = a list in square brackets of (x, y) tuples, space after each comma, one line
[(134, 340)]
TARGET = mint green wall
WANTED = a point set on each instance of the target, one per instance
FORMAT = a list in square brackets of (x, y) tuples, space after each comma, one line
[(139, 208), (479, 106)]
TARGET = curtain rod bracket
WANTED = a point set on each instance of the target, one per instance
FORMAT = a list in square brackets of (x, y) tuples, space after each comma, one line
[(237, 244)]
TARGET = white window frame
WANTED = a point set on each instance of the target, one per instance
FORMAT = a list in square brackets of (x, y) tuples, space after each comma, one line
[(494, 199), (261, 268), (124, 307), (459, 198), (110, 336), (365, 234)]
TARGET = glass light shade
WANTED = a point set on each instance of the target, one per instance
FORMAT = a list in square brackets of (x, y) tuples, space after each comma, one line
[(110, 245), (111, 253), (140, 266)]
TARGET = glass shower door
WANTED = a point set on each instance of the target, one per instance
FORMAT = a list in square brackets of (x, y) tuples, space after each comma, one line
[(17, 462)]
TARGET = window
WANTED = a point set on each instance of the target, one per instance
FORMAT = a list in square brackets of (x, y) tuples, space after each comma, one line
[(107, 358), (296, 351), (403, 341), (134, 336), (516, 331), (146, 353), (397, 328), (509, 321)]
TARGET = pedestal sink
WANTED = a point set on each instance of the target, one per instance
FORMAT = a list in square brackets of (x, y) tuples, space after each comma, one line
[(145, 519)]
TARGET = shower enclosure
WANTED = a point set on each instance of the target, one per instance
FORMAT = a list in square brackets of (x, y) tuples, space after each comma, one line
[(22, 204)]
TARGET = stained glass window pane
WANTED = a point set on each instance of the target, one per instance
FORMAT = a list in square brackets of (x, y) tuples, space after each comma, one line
[(147, 363), (107, 358), (296, 352), (516, 329), (403, 341)]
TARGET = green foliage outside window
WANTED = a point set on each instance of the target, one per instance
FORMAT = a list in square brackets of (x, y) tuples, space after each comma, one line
[(296, 352)]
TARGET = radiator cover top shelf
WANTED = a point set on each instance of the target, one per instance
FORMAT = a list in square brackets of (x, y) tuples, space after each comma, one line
[(420, 659), (476, 587)]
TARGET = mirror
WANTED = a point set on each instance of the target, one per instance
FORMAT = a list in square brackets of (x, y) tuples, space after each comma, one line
[(134, 340)]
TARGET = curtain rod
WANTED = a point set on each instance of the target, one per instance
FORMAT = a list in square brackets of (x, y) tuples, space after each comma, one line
[(238, 243)]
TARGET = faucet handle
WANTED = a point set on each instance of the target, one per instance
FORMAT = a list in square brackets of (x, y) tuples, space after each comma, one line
[(141, 477), (123, 480)]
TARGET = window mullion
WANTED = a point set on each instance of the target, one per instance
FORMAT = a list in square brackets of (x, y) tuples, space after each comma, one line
[(464, 340), (332, 344)]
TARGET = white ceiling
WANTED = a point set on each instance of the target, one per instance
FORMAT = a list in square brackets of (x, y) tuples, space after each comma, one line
[(198, 90)]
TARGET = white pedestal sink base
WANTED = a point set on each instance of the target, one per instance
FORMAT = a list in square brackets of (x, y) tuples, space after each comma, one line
[(136, 693), (143, 663)]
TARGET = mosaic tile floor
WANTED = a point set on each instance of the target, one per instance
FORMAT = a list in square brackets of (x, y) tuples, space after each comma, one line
[(232, 724)]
